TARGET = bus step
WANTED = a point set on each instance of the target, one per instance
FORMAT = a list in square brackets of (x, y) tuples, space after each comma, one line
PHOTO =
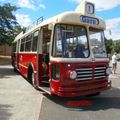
[(46, 82)]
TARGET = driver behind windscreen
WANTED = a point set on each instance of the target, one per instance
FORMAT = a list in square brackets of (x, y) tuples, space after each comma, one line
[(79, 52)]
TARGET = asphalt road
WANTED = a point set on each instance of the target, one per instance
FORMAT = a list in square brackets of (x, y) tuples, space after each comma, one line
[(20, 101)]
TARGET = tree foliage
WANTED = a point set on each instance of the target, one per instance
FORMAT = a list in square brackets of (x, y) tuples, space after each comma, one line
[(113, 46), (117, 46), (9, 28), (109, 45)]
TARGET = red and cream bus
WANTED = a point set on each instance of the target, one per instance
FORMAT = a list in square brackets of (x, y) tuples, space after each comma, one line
[(65, 55)]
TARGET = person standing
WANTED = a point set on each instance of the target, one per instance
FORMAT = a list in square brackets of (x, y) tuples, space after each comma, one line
[(114, 62)]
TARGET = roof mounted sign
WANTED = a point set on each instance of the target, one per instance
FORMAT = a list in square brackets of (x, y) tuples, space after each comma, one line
[(90, 9), (86, 7)]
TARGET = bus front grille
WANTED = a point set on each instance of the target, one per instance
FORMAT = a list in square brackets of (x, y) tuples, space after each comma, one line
[(84, 74), (99, 72), (89, 73)]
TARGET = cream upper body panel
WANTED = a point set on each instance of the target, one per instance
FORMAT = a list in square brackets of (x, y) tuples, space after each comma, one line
[(65, 18)]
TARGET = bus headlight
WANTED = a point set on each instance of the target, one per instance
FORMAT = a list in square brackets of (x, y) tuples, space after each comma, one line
[(71, 74), (108, 71)]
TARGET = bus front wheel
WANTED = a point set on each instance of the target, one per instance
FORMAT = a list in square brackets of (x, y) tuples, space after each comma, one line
[(31, 78)]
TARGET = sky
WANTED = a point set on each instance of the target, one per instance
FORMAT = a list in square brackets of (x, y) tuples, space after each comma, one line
[(30, 10)]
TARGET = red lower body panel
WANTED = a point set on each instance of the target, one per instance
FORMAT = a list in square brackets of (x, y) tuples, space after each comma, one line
[(84, 89)]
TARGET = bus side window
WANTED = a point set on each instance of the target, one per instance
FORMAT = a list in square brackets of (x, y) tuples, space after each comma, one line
[(35, 40), (22, 47), (28, 43)]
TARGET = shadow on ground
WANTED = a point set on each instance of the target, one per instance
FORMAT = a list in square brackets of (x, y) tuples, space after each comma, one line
[(5, 61), (109, 100), (5, 113), (6, 72)]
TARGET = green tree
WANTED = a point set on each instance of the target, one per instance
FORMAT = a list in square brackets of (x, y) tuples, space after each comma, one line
[(117, 46), (9, 28), (109, 45)]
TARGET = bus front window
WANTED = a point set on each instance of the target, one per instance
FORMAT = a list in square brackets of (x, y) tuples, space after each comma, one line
[(70, 42), (97, 43)]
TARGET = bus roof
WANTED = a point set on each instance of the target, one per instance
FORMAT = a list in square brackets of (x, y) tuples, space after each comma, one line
[(73, 17)]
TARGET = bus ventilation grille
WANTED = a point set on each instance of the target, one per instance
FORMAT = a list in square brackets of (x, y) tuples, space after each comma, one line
[(89, 73)]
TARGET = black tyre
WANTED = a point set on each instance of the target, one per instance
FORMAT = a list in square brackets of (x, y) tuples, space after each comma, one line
[(31, 78)]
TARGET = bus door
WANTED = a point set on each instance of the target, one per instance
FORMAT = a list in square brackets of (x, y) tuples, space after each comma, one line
[(43, 59)]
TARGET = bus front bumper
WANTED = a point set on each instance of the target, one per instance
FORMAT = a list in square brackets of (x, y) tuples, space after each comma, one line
[(84, 89)]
